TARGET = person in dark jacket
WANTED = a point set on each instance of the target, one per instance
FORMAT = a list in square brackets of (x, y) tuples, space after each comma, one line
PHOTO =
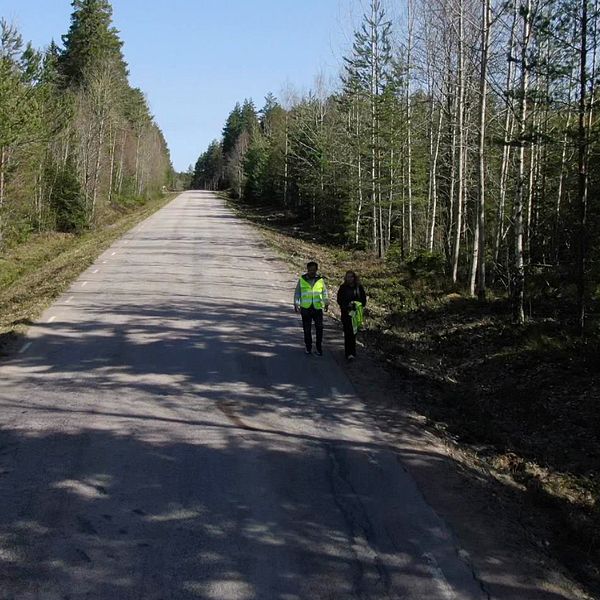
[(350, 291)]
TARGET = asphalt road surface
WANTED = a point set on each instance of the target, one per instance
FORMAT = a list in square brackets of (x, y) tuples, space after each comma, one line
[(163, 436)]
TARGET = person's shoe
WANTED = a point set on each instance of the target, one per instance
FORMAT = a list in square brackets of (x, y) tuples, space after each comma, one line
[(307, 351), (351, 357), (319, 352)]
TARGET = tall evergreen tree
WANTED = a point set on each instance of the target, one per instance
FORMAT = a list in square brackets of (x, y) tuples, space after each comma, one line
[(232, 129), (91, 43), (370, 65)]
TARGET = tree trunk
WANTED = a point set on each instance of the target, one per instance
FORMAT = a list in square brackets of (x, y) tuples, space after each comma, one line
[(483, 87), (137, 159), (561, 179), (87, 168), (434, 183), (461, 142), (533, 146), (409, 127), (374, 134), (392, 183), (97, 165), (509, 122), (285, 161), (582, 175), (121, 171), (382, 246), (112, 158), (3, 163), (360, 181), (519, 264), (452, 114)]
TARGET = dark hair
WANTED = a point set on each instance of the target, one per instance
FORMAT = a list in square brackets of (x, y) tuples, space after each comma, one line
[(312, 263), (356, 277)]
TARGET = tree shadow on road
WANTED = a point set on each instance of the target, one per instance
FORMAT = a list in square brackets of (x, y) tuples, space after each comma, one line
[(198, 407)]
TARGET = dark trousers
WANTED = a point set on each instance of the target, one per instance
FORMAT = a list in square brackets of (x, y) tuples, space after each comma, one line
[(349, 337), (308, 316)]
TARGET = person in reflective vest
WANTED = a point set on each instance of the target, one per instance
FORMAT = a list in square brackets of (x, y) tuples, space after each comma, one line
[(352, 299), (311, 299)]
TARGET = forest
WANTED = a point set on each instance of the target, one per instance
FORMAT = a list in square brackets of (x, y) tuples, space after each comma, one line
[(77, 141), (461, 134)]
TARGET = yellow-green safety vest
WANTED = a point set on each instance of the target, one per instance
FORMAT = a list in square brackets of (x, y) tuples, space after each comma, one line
[(357, 316), (312, 295)]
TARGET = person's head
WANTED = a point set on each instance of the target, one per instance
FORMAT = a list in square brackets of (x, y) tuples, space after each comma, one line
[(351, 278), (311, 268)]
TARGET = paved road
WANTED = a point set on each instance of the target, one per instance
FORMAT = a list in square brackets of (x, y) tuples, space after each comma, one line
[(163, 436)]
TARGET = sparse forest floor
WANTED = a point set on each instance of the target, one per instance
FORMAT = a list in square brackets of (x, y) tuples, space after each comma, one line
[(522, 404), (37, 270)]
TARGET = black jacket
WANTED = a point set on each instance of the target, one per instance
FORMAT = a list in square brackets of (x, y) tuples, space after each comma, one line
[(348, 294)]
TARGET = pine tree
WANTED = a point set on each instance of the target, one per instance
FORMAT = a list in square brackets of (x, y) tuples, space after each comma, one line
[(67, 199), (208, 172), (73, 105), (370, 65), (232, 129), (273, 122), (255, 161), (91, 43), (20, 116)]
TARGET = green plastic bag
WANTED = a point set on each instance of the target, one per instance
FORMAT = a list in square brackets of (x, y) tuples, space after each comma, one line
[(357, 315)]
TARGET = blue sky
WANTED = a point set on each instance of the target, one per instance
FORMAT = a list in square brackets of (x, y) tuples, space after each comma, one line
[(195, 58)]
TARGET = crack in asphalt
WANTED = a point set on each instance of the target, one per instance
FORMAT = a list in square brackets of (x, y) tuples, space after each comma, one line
[(360, 530)]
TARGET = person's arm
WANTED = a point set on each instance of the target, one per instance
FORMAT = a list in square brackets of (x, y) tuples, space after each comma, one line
[(363, 295), (297, 296), (325, 296), (339, 296)]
